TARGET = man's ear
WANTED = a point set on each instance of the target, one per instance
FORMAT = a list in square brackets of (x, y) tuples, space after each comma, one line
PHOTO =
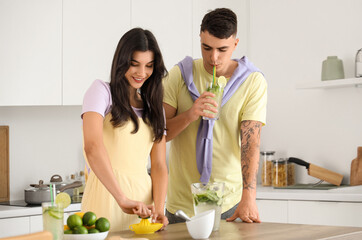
[(236, 42)]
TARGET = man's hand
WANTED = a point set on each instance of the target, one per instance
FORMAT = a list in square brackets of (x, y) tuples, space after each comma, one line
[(247, 212), (160, 218), (200, 105)]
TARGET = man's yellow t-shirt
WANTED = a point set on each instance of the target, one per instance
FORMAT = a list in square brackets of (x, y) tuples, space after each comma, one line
[(247, 103)]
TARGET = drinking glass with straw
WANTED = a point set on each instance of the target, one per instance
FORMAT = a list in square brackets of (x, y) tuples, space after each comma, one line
[(217, 89), (53, 216)]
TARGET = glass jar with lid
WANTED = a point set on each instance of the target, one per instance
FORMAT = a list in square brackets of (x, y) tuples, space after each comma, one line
[(266, 158), (290, 173), (280, 172)]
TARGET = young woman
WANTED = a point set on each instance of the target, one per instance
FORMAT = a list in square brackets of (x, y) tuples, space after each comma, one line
[(123, 125)]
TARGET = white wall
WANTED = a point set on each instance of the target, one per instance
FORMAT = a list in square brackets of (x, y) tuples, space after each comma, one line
[(289, 39), (43, 141)]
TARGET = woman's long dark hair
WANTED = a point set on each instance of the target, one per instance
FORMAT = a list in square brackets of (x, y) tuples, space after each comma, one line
[(138, 39)]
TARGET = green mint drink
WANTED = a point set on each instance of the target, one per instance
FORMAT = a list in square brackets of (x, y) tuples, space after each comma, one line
[(218, 90)]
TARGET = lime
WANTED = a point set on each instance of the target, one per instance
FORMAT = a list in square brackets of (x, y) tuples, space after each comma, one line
[(102, 224), (93, 230), (63, 199), (89, 218), (68, 231), (80, 230), (74, 221), (221, 81), (55, 213)]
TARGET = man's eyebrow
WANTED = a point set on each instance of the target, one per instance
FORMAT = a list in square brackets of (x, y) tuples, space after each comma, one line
[(207, 46)]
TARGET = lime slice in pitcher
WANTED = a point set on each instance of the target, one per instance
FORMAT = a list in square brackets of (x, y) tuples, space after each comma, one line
[(221, 81), (63, 200)]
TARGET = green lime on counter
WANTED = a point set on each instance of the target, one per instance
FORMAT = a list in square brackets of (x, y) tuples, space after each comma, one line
[(80, 230), (89, 218), (74, 221), (102, 224)]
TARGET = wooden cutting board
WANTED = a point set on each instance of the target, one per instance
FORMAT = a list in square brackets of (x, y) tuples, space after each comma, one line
[(356, 169), (4, 164)]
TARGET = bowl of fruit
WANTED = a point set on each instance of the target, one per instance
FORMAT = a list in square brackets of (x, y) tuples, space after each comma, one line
[(86, 226)]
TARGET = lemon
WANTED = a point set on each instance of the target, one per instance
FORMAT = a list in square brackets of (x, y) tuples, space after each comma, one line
[(63, 199), (221, 81), (80, 214)]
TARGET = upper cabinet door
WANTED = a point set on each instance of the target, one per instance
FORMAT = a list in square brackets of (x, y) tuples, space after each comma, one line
[(30, 52), (170, 22), (91, 31)]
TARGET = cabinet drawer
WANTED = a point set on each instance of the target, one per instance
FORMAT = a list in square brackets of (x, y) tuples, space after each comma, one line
[(325, 213), (273, 210), (14, 226)]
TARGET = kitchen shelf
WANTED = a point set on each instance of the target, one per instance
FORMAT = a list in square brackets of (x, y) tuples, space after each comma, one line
[(338, 83)]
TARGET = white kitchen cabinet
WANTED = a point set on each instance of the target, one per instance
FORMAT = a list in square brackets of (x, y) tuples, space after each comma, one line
[(30, 52), (273, 210), (325, 213), (14, 226), (91, 31), (36, 223), (311, 212), (170, 22)]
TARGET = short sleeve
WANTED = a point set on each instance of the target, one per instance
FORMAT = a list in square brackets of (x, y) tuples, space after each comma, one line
[(171, 86), (97, 98), (255, 108)]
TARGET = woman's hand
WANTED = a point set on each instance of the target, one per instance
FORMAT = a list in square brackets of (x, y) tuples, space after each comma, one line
[(160, 218), (135, 207)]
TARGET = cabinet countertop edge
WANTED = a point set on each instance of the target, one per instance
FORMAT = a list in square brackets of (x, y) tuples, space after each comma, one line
[(14, 211), (347, 194)]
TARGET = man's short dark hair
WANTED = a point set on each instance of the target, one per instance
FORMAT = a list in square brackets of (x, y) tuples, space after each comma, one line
[(221, 23)]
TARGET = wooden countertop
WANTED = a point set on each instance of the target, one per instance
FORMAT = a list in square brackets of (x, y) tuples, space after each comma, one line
[(239, 230)]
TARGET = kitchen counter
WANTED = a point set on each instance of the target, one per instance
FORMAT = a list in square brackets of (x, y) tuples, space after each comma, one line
[(14, 211), (239, 230), (342, 194)]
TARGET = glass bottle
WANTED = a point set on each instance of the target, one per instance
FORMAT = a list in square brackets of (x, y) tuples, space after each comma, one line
[(359, 63), (266, 174)]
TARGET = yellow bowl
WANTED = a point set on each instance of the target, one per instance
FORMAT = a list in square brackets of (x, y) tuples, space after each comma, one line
[(145, 227)]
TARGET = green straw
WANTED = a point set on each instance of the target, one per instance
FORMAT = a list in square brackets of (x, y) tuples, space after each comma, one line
[(51, 194), (213, 75)]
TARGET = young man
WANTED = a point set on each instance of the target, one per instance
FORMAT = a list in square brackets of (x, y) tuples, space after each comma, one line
[(224, 150)]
